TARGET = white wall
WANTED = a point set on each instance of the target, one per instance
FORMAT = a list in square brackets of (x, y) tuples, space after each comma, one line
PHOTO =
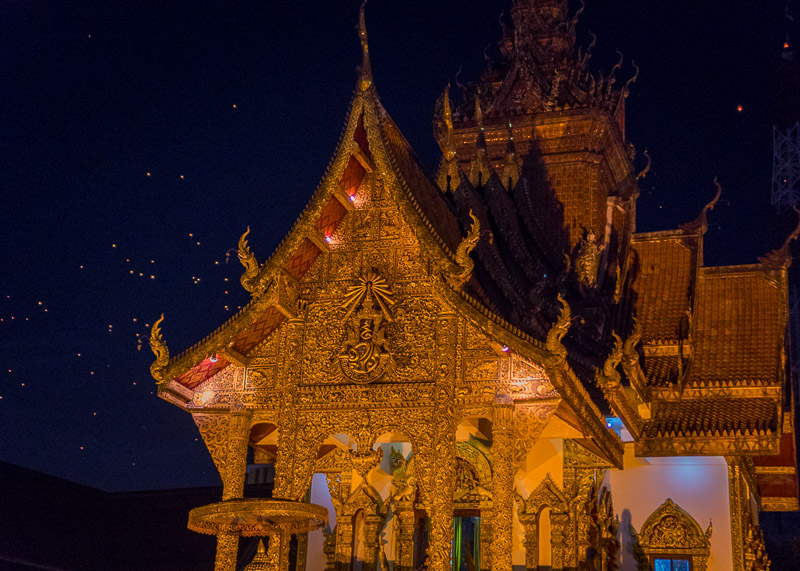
[(321, 497), (698, 484)]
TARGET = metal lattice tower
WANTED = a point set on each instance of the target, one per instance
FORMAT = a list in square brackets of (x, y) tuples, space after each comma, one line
[(785, 165)]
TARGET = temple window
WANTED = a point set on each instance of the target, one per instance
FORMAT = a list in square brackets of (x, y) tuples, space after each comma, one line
[(670, 563)]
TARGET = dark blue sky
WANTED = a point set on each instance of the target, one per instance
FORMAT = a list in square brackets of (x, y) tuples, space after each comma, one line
[(234, 109)]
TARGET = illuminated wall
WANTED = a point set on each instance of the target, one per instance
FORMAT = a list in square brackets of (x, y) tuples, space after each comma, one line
[(698, 484)]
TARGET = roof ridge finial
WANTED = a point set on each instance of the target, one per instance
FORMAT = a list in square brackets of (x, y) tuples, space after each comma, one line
[(450, 144), (782, 257), (366, 70), (478, 110), (700, 224)]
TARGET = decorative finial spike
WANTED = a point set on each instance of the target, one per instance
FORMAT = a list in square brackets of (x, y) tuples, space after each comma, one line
[(366, 70), (261, 546)]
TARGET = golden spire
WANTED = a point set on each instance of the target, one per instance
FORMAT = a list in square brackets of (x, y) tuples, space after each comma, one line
[(479, 169), (160, 350), (366, 70), (511, 165), (260, 561), (448, 171), (450, 143)]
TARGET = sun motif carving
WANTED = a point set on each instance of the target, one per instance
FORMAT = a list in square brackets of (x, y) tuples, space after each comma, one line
[(365, 357)]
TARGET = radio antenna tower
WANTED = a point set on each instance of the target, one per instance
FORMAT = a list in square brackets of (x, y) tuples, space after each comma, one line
[(786, 124)]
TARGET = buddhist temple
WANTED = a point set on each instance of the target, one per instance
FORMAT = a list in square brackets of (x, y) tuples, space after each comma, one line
[(487, 366)]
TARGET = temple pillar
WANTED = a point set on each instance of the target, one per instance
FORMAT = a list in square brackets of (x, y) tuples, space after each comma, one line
[(302, 551), (486, 538), (236, 460), (372, 528), (558, 527), (344, 543), (227, 548), (404, 519), (531, 541), (502, 485), (278, 551), (226, 436), (329, 550)]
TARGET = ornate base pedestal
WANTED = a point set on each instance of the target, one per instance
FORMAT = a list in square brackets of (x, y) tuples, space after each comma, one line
[(274, 518)]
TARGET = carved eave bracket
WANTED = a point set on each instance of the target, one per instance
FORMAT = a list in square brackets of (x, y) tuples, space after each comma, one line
[(159, 347)]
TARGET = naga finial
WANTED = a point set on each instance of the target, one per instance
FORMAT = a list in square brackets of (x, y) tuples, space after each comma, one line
[(782, 257), (700, 224), (248, 260), (643, 173), (366, 70), (159, 348), (631, 81), (466, 246), (610, 378), (629, 348), (557, 332), (615, 69)]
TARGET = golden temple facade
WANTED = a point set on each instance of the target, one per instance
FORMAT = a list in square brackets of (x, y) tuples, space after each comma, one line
[(490, 368)]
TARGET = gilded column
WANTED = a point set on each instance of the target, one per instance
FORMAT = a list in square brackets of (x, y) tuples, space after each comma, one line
[(329, 549), (531, 541), (344, 543), (404, 520), (227, 548), (487, 517), (735, 498), (502, 485), (558, 525), (372, 529), (236, 459), (441, 498), (441, 459), (226, 437), (302, 551)]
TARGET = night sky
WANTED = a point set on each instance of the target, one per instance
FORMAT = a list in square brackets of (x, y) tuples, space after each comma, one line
[(139, 140)]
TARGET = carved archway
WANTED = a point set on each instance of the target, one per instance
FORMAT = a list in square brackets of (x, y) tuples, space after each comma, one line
[(546, 495), (671, 532)]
